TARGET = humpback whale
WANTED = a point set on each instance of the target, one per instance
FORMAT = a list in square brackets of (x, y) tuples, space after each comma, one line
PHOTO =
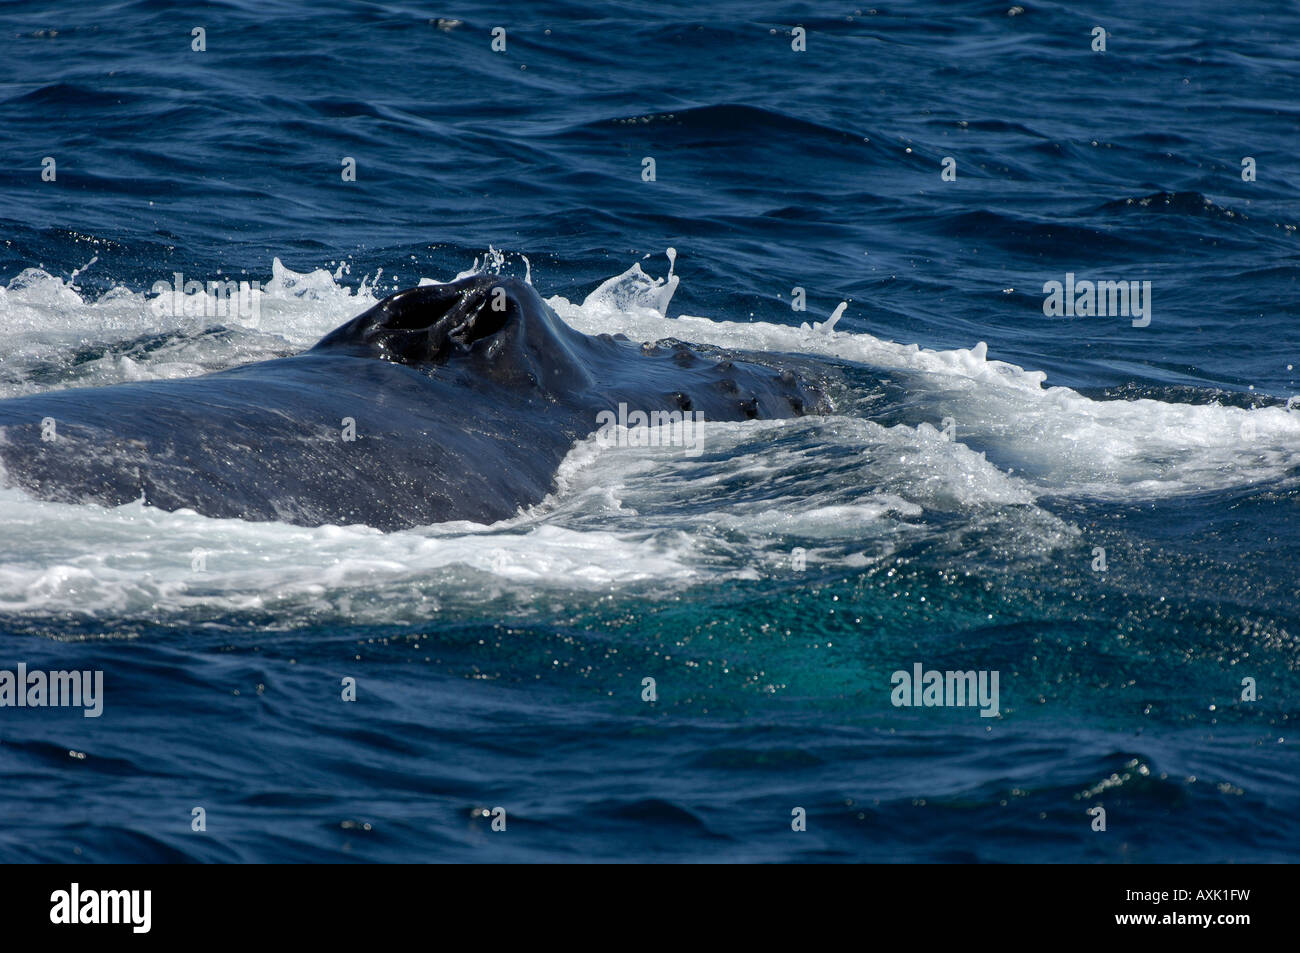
[(452, 401)]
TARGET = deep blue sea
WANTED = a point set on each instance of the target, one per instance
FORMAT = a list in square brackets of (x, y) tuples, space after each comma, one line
[(1101, 509)]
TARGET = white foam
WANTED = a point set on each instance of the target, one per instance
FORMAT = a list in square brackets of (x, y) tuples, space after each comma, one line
[(138, 560), (1064, 442), (44, 321)]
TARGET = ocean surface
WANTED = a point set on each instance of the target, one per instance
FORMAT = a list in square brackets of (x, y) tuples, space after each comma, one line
[(1103, 514)]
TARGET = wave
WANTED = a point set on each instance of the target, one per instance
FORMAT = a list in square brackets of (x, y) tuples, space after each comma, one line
[(1174, 203)]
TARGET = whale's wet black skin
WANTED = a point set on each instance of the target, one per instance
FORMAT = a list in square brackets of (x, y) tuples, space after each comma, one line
[(465, 396)]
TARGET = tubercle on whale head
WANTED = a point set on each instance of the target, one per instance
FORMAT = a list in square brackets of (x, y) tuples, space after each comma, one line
[(722, 385)]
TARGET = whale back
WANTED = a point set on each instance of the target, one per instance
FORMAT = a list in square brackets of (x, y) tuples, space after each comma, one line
[(443, 402)]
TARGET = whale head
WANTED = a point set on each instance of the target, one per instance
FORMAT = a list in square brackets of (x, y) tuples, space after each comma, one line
[(495, 331)]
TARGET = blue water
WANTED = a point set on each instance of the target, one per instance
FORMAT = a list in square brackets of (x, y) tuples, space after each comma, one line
[(503, 666)]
